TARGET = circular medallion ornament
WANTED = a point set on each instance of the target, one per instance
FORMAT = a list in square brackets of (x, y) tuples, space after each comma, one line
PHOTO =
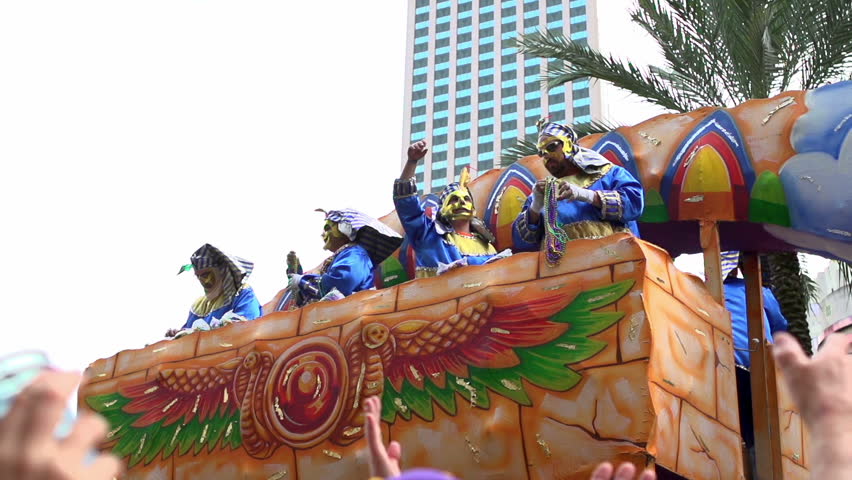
[(306, 391)]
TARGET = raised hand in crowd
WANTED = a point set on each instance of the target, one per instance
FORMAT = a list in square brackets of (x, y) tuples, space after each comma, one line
[(29, 447), (821, 386), (625, 471), (384, 462)]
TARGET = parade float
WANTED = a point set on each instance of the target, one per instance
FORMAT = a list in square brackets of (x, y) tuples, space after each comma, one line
[(521, 369)]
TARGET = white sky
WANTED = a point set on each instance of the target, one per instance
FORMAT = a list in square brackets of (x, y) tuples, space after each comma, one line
[(133, 132)]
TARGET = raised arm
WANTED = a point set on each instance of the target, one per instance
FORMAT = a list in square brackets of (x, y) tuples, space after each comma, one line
[(416, 151)]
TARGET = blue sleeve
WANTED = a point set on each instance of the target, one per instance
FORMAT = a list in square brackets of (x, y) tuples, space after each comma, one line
[(192, 317), (622, 199), (526, 236), (350, 270), (777, 322), (411, 215), (246, 304)]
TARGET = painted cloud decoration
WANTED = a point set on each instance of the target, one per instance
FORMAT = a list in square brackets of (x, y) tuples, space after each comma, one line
[(818, 180)]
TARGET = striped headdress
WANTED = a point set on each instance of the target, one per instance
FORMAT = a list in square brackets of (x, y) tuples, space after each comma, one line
[(377, 238), (236, 269), (730, 260), (557, 130)]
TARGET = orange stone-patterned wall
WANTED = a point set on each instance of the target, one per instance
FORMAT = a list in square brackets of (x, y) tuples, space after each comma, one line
[(662, 390)]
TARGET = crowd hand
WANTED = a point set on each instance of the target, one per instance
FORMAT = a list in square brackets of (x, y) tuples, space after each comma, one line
[(417, 150), (29, 448), (384, 462), (821, 386), (625, 471), (172, 332)]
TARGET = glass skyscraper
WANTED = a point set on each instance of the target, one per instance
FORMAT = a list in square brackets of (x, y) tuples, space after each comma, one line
[(470, 94)]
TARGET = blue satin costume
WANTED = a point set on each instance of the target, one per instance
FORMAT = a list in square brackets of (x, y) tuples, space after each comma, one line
[(350, 270), (245, 304)]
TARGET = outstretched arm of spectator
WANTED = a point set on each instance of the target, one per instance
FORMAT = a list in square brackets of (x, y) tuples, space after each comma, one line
[(384, 463), (29, 448), (821, 386), (625, 471)]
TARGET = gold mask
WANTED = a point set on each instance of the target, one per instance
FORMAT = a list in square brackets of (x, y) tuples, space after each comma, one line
[(332, 236), (458, 205)]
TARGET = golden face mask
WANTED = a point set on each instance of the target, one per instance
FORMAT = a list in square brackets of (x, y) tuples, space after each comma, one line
[(458, 205), (331, 236), (548, 145), (211, 281)]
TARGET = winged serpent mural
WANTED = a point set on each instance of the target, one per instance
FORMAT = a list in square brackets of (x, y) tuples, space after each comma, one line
[(313, 391)]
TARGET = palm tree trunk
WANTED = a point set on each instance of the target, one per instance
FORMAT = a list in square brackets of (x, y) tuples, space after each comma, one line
[(787, 285)]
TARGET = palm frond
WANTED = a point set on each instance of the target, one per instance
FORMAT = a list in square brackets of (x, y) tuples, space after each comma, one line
[(688, 54), (523, 147), (580, 61)]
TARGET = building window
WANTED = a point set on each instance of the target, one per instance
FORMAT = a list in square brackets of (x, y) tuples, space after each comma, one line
[(507, 59), (463, 85), (581, 111), (441, 106), (554, 17), (486, 63), (554, 98), (551, 3), (577, 11), (463, 69), (442, 90), (439, 74), (443, 12), (421, 47), (508, 92), (421, 63), (440, 173), (465, 22), (419, 177), (510, 125), (418, 111), (507, 11), (418, 95), (421, 3), (530, 22), (530, 121), (439, 156), (485, 130), (509, 108), (485, 96), (465, 7), (462, 152), (581, 93), (529, 7), (509, 75), (485, 17), (443, 27), (578, 27), (508, 27), (486, 48), (531, 87), (465, 53), (465, 117), (418, 127), (485, 3), (532, 103), (486, 32)]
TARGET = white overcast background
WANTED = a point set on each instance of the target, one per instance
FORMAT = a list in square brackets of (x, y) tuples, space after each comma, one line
[(133, 132)]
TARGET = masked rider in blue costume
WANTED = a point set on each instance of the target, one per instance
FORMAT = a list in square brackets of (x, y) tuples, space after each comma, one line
[(226, 296), (455, 237), (359, 243), (595, 198)]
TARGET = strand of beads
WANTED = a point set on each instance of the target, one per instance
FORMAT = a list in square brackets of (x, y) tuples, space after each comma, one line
[(555, 238)]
